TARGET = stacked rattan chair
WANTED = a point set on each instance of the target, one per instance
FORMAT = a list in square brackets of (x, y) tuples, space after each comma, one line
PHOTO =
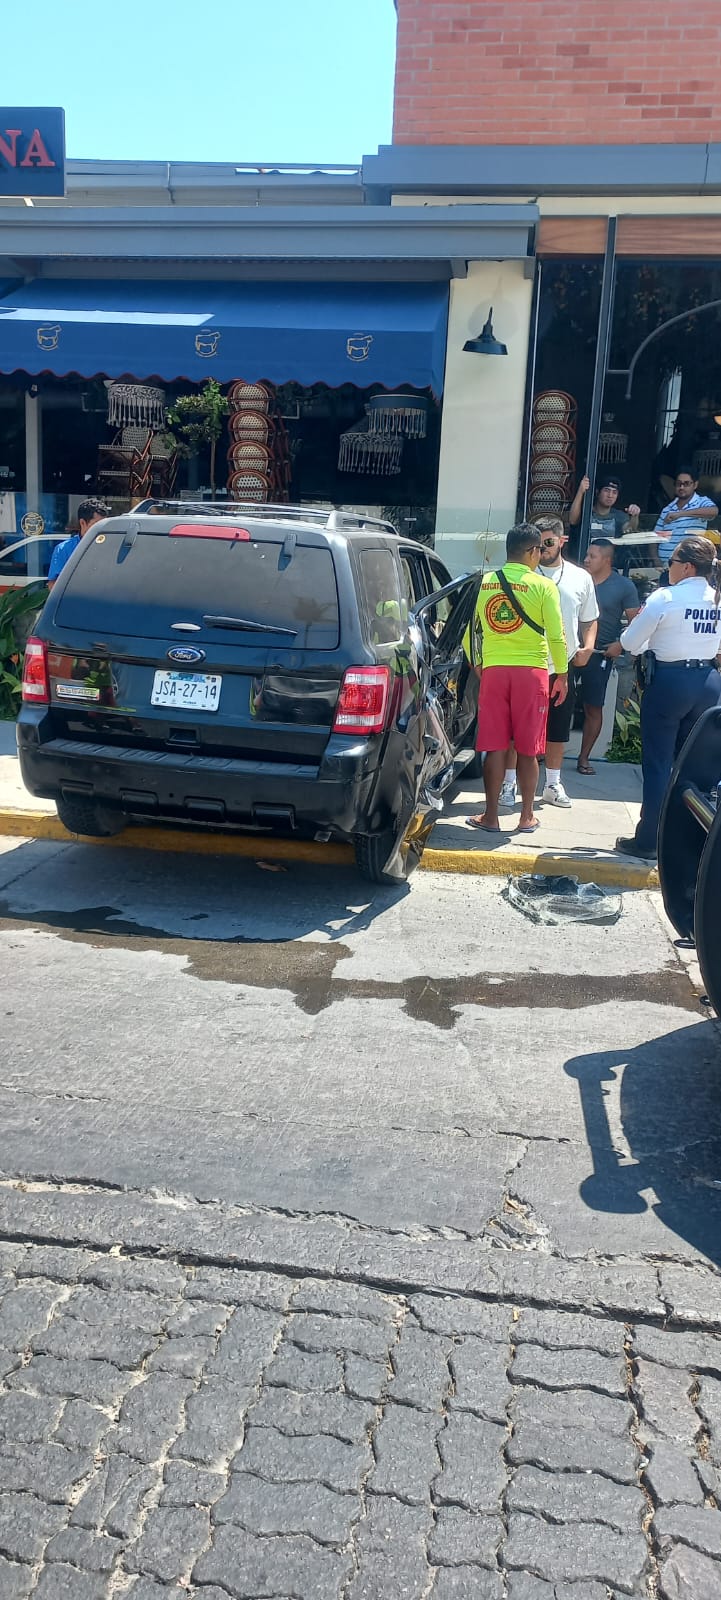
[(553, 453), (258, 456)]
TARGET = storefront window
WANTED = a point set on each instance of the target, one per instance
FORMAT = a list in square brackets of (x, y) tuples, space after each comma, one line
[(668, 421)]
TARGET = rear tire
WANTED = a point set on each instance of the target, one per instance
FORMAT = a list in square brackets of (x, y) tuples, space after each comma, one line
[(88, 817), (373, 849)]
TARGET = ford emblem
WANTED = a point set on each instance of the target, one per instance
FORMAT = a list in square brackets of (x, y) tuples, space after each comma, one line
[(185, 653)]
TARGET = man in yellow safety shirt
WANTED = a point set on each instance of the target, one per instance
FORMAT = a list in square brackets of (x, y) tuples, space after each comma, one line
[(519, 616)]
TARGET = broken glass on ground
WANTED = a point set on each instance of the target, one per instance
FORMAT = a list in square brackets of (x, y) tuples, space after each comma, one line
[(553, 900)]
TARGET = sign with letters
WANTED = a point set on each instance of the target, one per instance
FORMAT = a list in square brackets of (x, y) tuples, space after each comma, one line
[(32, 150)]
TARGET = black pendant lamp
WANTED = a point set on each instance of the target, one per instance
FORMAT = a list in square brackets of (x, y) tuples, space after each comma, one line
[(486, 344)]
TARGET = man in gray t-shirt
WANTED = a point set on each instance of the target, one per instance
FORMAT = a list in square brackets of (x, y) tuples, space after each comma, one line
[(617, 598)]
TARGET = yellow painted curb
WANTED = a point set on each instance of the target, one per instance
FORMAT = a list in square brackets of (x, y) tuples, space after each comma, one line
[(502, 863)]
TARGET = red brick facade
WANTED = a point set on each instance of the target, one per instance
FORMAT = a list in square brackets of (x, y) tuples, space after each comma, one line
[(558, 72)]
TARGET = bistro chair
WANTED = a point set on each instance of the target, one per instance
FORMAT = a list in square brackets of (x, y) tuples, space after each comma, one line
[(252, 454), (554, 436), (550, 468), (250, 485), (249, 396), (124, 467), (554, 405), (251, 425), (547, 500), (163, 466)]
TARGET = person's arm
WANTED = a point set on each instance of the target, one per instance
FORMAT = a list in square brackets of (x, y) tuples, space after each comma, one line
[(576, 508), (553, 624), (707, 511), (631, 514), (588, 627), (635, 638), (631, 610), (588, 643), (56, 565), (633, 604)]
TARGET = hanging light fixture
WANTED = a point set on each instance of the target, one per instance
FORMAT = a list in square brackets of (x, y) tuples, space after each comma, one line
[(486, 344), (392, 414), (136, 403), (363, 451)]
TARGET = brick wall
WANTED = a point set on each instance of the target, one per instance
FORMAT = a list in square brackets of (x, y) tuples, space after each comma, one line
[(558, 72)]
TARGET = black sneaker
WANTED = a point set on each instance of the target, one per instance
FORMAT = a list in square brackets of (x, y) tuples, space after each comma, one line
[(629, 847)]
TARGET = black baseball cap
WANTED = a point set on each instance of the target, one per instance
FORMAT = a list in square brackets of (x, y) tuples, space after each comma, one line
[(609, 482)]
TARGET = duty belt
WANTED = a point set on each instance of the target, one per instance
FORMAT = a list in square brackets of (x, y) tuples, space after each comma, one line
[(707, 663)]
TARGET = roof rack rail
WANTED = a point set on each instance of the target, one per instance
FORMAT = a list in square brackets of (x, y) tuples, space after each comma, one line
[(252, 508)]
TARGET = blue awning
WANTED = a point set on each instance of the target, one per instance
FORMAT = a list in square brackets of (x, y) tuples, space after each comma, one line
[(385, 333)]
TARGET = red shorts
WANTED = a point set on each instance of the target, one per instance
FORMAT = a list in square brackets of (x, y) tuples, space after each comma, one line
[(513, 706)]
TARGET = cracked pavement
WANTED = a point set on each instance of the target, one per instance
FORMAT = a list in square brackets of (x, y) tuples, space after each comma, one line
[(353, 1243), (242, 1433)]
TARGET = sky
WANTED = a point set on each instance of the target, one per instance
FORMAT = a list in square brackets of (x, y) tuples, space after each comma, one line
[(248, 81)]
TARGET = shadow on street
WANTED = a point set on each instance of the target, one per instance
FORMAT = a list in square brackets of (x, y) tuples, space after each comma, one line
[(671, 1118)]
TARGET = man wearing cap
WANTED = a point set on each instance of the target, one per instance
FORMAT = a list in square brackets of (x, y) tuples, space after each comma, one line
[(608, 520), (89, 512)]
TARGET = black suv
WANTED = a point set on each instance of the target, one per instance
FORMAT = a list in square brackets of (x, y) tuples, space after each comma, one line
[(269, 667)]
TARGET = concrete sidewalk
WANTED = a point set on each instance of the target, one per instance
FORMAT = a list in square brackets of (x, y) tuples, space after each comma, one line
[(603, 807), (578, 840)]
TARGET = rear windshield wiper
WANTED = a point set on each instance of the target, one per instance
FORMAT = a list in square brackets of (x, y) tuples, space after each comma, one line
[(248, 627)]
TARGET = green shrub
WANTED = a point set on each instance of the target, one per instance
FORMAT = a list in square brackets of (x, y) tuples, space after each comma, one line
[(626, 742), (18, 610)]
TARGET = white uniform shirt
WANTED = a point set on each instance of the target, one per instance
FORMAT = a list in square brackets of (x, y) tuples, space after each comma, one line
[(680, 623), (577, 595)]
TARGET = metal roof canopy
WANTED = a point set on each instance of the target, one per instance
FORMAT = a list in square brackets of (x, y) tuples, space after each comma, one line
[(545, 169), (340, 233)]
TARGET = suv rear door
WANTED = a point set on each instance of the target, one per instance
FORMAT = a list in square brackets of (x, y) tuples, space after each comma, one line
[(257, 613), (444, 617)]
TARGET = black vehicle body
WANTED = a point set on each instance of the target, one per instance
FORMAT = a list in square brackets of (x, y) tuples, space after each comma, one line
[(689, 848), (275, 606)]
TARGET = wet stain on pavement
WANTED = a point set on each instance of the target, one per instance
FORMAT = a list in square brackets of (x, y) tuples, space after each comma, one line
[(307, 970)]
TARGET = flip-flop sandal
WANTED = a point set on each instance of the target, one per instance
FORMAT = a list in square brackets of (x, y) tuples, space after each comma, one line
[(528, 828), (481, 826), (586, 771)]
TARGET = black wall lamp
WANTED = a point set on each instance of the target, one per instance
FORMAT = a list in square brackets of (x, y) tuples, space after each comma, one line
[(486, 344)]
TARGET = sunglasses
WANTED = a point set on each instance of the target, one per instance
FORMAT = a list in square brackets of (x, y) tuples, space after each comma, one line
[(547, 544), (682, 562)]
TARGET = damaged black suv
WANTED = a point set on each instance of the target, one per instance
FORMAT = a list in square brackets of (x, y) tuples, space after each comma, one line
[(271, 668)]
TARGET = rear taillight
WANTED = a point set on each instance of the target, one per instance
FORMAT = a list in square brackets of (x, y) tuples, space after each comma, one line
[(36, 684), (363, 700)]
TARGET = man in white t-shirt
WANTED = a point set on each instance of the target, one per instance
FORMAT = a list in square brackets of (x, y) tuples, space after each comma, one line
[(579, 609)]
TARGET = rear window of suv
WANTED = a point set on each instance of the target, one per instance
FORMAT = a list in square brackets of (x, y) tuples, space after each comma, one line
[(139, 584)]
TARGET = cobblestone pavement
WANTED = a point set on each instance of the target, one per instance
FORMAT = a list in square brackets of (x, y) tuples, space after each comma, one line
[(168, 1428)]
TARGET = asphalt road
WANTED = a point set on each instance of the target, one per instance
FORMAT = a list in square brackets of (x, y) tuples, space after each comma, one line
[(446, 1182)]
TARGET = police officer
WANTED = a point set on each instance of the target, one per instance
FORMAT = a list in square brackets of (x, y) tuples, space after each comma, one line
[(680, 628)]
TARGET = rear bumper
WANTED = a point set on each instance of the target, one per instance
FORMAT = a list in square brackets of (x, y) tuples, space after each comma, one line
[(338, 794)]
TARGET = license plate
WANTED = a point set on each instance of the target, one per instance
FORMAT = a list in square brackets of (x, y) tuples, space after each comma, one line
[(186, 691)]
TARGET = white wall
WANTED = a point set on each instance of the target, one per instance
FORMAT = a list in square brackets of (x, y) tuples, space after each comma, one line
[(482, 415)]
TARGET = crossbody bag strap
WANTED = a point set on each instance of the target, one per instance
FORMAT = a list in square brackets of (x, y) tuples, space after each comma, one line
[(515, 602)]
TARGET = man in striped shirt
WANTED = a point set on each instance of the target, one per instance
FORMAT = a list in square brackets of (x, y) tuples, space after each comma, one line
[(690, 512)]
